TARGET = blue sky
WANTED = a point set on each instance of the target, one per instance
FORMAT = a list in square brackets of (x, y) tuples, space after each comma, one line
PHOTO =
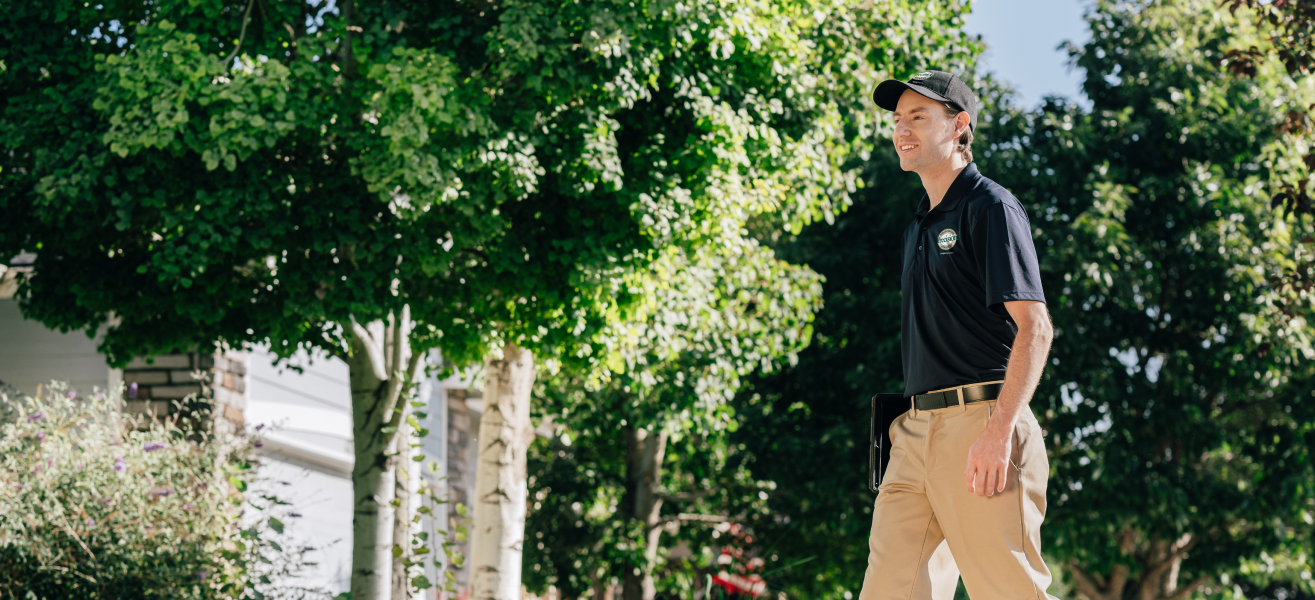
[(1021, 37)]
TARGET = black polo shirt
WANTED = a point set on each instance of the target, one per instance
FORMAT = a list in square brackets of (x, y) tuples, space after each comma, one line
[(962, 261)]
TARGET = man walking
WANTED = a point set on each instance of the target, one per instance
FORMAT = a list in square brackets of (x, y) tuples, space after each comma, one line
[(967, 462)]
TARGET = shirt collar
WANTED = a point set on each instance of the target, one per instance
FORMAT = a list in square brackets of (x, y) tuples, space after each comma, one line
[(962, 183)]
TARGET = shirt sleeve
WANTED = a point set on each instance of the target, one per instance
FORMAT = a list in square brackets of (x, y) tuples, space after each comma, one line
[(1010, 266)]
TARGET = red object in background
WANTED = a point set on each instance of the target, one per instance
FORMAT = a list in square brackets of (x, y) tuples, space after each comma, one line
[(751, 586)]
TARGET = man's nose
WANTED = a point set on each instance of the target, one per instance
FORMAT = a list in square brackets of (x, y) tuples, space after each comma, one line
[(901, 130)]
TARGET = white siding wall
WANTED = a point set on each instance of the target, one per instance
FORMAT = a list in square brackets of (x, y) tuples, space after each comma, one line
[(324, 501), (30, 354), (308, 454)]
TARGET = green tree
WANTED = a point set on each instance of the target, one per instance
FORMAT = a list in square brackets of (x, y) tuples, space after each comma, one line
[(1179, 440), (1286, 31), (1179, 437), (661, 389), (375, 180)]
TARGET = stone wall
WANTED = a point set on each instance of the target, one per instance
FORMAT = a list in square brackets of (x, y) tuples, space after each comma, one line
[(155, 385)]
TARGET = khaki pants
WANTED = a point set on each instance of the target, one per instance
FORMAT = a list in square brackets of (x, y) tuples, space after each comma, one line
[(924, 501)]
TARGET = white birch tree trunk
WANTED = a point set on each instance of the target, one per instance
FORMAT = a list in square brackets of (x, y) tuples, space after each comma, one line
[(500, 477), (407, 479), (381, 367)]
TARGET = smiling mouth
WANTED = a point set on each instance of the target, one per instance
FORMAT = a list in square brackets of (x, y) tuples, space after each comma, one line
[(906, 147)]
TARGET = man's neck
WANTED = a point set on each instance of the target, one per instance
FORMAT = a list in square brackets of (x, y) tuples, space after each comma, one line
[(938, 181)]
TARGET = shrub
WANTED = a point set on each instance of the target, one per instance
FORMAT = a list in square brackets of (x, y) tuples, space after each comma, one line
[(95, 505)]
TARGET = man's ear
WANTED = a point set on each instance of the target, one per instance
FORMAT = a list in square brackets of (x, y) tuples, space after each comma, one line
[(961, 123)]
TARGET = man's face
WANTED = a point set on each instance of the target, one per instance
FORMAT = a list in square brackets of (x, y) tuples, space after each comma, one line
[(924, 136)]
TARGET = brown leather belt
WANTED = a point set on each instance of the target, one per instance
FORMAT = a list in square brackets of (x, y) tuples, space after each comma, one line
[(945, 398)]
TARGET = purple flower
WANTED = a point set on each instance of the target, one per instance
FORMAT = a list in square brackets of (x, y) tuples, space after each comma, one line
[(162, 492), (37, 416), (188, 507), (149, 527), (259, 444), (202, 574), (260, 426), (20, 486), (132, 391), (91, 522), (153, 446), (71, 395), (119, 464), (106, 500), (41, 436), (50, 461), (294, 514)]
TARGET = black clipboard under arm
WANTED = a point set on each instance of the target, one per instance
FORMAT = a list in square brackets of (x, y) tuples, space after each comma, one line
[(885, 409)]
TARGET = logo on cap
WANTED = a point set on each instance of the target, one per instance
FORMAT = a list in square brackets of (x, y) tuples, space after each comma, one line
[(946, 239), (922, 75)]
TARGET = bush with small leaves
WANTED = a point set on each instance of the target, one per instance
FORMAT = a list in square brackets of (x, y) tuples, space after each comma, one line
[(97, 505)]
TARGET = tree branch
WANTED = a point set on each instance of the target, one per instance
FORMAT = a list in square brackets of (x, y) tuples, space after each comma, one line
[(691, 517), (372, 349), (1153, 573), (399, 381), (246, 18), (1126, 540), (349, 54), (414, 369), (703, 518), (1084, 583), (1118, 580), (1099, 579), (686, 496), (1187, 590), (397, 353)]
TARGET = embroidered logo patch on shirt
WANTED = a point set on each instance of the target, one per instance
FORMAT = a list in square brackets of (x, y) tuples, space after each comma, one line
[(946, 239)]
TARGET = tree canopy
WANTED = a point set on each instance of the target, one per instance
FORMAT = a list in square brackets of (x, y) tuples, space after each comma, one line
[(1179, 438), (255, 175)]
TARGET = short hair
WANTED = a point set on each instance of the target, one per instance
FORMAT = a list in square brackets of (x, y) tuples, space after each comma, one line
[(965, 142)]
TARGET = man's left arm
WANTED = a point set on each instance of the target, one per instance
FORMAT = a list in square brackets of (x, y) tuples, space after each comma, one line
[(988, 459)]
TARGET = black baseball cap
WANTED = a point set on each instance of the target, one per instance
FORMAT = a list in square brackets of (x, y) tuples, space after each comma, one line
[(937, 85)]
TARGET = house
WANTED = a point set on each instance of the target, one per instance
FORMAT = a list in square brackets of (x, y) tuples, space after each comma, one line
[(307, 441)]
